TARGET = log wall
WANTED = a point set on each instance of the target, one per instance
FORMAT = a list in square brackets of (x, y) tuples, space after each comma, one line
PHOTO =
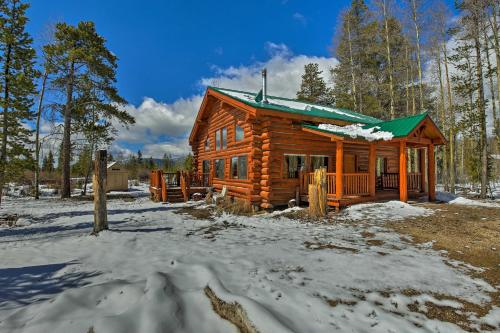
[(267, 139)]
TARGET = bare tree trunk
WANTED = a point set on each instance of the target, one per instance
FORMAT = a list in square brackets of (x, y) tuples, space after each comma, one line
[(481, 108), (445, 173), (419, 64), (37, 136), (100, 209), (407, 88), (496, 46), (6, 98), (389, 63), (66, 148), (490, 76), (351, 61), (451, 119)]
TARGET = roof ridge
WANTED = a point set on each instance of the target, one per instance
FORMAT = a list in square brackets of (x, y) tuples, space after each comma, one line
[(353, 113)]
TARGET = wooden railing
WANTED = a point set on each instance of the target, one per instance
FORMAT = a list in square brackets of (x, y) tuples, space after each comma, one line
[(356, 184), (414, 181), (390, 180)]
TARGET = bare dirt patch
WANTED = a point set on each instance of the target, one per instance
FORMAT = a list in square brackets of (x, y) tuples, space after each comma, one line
[(232, 312), (322, 246), (468, 234)]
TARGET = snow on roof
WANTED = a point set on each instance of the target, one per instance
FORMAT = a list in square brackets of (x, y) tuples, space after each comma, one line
[(110, 164), (357, 130), (293, 105)]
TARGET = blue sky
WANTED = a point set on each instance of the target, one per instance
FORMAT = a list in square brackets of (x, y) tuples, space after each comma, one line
[(170, 50), (165, 47)]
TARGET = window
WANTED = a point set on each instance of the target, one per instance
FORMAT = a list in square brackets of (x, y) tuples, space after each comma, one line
[(206, 167), (224, 137), (239, 133), (207, 144), (219, 169), (217, 140), (293, 165), (239, 167), (318, 162)]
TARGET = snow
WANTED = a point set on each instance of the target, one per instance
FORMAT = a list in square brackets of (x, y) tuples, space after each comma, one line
[(148, 272), (357, 130), (456, 200), (289, 103), (387, 211)]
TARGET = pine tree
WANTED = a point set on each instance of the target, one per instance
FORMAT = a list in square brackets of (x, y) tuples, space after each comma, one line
[(83, 68), (48, 162), (313, 88), (17, 89)]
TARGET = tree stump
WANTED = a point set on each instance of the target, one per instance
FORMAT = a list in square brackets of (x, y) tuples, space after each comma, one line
[(99, 185), (318, 194)]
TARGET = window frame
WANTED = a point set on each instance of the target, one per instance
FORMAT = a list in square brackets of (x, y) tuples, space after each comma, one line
[(285, 174), (223, 138), (311, 161), (238, 169), (223, 161), (236, 126), (207, 143)]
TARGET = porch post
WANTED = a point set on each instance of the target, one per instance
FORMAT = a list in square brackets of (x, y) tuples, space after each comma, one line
[(432, 172), (421, 169), (339, 170), (403, 171), (371, 169)]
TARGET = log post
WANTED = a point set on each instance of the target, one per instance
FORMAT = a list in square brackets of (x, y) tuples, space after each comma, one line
[(432, 172), (163, 186), (339, 170), (403, 172), (422, 170), (100, 210), (372, 156)]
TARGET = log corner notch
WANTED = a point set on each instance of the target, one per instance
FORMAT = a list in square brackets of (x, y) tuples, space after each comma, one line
[(99, 186)]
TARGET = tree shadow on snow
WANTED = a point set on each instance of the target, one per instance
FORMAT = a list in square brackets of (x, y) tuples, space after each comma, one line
[(142, 229), (24, 285)]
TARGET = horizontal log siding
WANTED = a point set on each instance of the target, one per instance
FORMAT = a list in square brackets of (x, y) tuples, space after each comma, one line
[(218, 116)]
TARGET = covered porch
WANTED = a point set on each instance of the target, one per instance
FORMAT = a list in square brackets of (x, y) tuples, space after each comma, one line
[(409, 172)]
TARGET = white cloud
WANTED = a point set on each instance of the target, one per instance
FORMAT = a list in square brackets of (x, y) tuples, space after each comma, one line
[(164, 128), (300, 18)]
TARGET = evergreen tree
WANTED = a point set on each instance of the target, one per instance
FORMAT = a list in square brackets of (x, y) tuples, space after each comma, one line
[(168, 162), (84, 70), (188, 163), (139, 158), (313, 88), (17, 89), (48, 162)]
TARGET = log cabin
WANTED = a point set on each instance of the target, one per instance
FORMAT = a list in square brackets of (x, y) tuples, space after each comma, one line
[(264, 150)]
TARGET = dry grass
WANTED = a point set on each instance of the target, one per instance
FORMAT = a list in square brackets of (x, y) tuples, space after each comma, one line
[(9, 219), (232, 312), (468, 234), (197, 213), (234, 206)]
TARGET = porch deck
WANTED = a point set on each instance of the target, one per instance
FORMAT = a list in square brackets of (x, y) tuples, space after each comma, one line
[(356, 188)]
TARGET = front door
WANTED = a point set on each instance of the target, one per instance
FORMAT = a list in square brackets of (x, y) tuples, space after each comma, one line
[(349, 163)]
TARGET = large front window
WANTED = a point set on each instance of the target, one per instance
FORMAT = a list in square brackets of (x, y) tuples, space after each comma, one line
[(294, 164), (239, 133), (219, 169), (239, 167)]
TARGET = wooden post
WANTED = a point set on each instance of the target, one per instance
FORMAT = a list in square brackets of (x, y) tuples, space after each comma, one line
[(403, 172), (422, 170), (99, 185), (372, 156), (432, 172), (339, 170), (163, 186)]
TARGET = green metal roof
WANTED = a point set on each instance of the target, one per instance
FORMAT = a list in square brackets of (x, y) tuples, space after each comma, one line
[(297, 107), (399, 127)]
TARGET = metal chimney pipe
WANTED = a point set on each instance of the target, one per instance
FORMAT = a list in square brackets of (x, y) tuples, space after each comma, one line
[(264, 86)]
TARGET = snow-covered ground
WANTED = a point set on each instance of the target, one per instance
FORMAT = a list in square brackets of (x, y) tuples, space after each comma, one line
[(149, 271)]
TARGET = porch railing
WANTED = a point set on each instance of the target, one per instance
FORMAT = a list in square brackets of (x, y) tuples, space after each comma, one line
[(390, 180), (414, 181)]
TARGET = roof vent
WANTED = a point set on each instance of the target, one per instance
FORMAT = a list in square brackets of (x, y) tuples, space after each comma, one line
[(264, 86)]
